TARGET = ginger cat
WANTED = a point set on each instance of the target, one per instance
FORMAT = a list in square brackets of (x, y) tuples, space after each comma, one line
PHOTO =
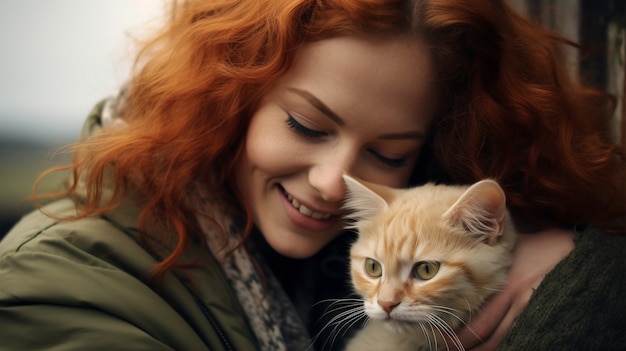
[(425, 259)]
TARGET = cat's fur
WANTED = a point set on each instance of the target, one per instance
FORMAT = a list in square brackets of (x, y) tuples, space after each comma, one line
[(464, 231)]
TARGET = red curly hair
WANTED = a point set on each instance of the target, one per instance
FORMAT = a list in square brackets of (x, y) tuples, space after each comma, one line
[(512, 113), (515, 114)]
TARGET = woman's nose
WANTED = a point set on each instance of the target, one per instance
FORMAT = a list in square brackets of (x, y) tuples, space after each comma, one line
[(328, 181), (327, 176)]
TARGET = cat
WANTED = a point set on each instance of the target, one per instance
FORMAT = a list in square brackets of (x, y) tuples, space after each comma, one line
[(425, 259)]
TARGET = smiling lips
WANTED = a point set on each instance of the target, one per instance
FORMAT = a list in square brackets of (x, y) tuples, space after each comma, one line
[(305, 210)]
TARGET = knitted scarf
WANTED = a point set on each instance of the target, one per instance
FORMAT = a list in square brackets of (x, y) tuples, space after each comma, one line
[(271, 314)]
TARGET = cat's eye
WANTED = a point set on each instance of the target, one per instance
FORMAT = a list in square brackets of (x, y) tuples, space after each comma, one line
[(425, 270), (373, 268)]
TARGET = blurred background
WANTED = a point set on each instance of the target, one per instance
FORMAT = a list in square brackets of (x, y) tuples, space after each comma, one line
[(59, 57)]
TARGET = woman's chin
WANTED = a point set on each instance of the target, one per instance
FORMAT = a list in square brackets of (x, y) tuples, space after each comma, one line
[(296, 246)]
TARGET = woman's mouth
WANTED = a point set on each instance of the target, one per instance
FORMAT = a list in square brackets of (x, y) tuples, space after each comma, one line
[(305, 210), (306, 218)]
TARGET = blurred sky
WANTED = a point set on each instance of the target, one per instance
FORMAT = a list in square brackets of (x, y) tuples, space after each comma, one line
[(59, 57)]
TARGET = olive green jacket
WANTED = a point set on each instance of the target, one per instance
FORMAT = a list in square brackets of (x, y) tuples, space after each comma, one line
[(82, 285), (85, 285)]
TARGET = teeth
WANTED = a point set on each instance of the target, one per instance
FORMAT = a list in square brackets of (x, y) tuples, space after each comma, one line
[(305, 210)]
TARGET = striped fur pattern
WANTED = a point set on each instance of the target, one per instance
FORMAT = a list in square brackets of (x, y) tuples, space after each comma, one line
[(425, 259)]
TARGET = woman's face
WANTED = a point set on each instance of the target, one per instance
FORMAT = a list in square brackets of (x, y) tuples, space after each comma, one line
[(349, 105)]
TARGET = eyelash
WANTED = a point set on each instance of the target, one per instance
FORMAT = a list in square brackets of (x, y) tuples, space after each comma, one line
[(392, 162), (302, 130), (310, 133)]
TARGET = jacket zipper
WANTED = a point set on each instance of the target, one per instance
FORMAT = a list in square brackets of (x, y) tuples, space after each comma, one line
[(221, 335), (214, 323), (207, 313)]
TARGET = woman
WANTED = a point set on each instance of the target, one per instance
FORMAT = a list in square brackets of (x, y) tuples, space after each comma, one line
[(203, 210)]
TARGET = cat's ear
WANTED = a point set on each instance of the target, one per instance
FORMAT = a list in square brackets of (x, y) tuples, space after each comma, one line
[(481, 211), (362, 199)]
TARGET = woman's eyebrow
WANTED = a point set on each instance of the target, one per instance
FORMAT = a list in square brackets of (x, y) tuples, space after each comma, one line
[(317, 104)]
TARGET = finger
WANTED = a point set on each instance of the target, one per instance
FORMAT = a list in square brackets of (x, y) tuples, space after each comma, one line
[(494, 340), (486, 321)]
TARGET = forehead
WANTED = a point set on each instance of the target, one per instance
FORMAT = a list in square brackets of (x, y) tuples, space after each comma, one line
[(385, 77)]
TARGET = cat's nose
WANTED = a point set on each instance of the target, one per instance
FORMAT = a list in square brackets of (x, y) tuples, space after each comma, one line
[(388, 306)]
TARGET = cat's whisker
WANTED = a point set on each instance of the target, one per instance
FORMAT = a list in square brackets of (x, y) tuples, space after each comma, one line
[(469, 309), (446, 308), (333, 304), (355, 306), (356, 319), (458, 315), (337, 330), (340, 305), (444, 328), (463, 321), (436, 328), (346, 313), (332, 307), (430, 338), (426, 336), (490, 289), (349, 317)]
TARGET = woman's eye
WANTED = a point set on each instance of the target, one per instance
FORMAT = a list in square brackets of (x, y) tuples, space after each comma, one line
[(312, 133), (302, 130), (393, 162)]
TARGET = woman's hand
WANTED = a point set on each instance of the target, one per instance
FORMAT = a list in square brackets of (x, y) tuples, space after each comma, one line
[(533, 257)]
